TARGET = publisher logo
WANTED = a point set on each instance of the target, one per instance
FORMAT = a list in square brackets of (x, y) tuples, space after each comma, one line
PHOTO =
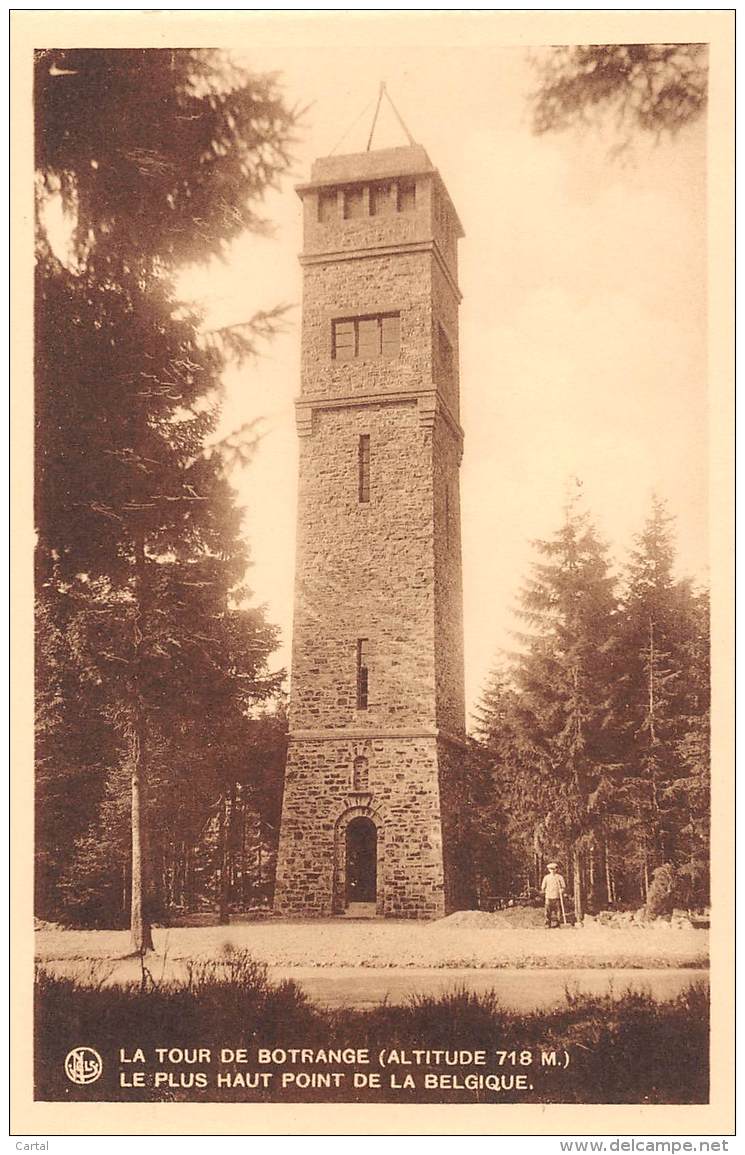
[(83, 1065)]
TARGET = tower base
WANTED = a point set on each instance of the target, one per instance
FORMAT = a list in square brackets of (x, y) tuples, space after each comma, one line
[(362, 822)]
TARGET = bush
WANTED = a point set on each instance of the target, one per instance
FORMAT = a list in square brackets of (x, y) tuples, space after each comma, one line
[(661, 897), (629, 1049)]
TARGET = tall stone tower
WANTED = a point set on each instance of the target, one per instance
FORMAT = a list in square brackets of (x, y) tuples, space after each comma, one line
[(372, 789)]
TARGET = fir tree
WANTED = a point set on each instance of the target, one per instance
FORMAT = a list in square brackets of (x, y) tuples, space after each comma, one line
[(563, 678), (159, 157), (510, 824), (662, 700)]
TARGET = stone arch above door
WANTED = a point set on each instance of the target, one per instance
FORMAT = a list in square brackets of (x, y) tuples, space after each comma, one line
[(340, 851)]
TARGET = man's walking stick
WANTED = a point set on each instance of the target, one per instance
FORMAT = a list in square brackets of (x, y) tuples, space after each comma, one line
[(561, 903)]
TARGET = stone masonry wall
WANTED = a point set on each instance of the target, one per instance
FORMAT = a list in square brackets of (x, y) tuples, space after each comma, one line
[(339, 235), (378, 284), (455, 799), (364, 570), (448, 592), (445, 312), (402, 799)]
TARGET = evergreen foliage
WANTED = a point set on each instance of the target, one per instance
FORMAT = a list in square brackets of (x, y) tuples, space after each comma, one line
[(657, 88), (158, 158), (597, 728)]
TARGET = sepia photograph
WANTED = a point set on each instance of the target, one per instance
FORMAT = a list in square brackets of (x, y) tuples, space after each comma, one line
[(379, 494)]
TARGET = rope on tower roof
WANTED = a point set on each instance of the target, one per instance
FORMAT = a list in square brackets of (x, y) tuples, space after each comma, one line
[(384, 92), (354, 124)]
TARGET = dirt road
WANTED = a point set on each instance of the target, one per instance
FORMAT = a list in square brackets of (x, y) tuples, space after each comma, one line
[(519, 990), (386, 944)]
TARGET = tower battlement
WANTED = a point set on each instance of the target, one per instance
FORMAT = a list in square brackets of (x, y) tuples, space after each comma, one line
[(388, 197)]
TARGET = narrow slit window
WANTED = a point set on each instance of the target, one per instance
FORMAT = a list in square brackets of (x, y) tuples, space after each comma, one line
[(362, 673), (364, 468), (445, 354), (360, 777)]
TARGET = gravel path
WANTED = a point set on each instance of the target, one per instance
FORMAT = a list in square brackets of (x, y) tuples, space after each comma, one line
[(339, 943)]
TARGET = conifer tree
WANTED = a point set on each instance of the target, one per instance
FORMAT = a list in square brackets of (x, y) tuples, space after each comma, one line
[(652, 88), (563, 678), (662, 697), (158, 157), (687, 794), (598, 729), (511, 823)]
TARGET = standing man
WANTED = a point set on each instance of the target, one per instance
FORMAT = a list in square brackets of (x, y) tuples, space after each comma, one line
[(553, 887)]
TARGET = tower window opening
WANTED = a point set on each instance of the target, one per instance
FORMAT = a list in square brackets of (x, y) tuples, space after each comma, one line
[(362, 673), (366, 338), (390, 335), (345, 340), (354, 203), (363, 479), (327, 204), (382, 200), (444, 354), (360, 777), (406, 196)]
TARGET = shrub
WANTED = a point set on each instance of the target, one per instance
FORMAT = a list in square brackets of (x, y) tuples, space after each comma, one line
[(629, 1049), (662, 891)]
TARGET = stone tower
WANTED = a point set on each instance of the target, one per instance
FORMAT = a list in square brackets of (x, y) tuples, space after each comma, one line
[(373, 783)]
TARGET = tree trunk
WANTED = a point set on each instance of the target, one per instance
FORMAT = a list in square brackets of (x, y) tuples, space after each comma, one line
[(142, 938), (125, 891), (579, 911), (223, 907), (188, 879), (244, 871), (608, 879), (657, 854)]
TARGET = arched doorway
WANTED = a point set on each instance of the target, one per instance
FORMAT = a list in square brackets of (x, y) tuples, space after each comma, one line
[(361, 860)]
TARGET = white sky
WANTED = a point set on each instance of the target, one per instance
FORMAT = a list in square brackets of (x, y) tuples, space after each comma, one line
[(582, 326)]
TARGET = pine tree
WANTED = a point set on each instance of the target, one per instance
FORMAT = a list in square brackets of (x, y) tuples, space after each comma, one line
[(662, 703), (651, 681), (510, 820), (75, 743), (598, 730), (655, 88), (563, 678), (159, 157)]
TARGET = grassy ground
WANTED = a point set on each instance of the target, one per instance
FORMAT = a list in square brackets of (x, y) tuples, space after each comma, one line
[(340, 943), (600, 1050)]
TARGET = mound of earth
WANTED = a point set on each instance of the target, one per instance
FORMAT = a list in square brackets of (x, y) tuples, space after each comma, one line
[(471, 918), (510, 918)]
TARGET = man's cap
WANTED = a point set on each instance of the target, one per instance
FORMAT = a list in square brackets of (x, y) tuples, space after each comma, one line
[(552, 864)]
